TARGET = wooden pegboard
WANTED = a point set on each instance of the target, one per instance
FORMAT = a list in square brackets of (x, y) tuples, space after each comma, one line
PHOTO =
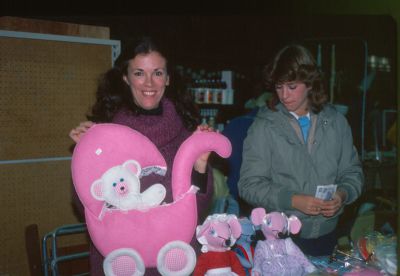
[(39, 193), (46, 87)]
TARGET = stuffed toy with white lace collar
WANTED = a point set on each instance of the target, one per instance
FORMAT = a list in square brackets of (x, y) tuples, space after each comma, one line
[(217, 235), (278, 254)]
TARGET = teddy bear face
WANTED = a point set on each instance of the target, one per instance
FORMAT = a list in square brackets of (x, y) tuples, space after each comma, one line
[(119, 187)]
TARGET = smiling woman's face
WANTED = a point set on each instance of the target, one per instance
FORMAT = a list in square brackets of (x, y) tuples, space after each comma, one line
[(147, 78)]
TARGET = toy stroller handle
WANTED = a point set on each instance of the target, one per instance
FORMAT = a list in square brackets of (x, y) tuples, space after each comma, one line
[(192, 148)]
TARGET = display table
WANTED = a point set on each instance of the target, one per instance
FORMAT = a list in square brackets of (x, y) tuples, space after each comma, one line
[(343, 265)]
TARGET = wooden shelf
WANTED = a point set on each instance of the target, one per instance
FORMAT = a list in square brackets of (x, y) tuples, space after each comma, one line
[(51, 27)]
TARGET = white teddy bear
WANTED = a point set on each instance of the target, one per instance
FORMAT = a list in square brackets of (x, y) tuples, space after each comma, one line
[(119, 186)]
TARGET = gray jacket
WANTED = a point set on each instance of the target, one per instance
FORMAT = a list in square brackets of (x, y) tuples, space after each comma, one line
[(278, 164)]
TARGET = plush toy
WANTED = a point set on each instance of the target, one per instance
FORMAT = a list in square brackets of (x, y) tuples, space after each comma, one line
[(278, 254), (217, 235), (119, 187), (132, 240), (244, 245)]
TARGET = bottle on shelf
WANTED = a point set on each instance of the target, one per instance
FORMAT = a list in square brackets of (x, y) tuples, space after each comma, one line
[(211, 122), (208, 116), (210, 87)]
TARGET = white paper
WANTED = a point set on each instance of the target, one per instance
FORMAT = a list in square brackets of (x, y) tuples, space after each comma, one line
[(325, 192)]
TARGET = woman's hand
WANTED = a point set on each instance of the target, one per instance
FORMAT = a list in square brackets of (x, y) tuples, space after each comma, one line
[(77, 132), (307, 204), (201, 164), (331, 207)]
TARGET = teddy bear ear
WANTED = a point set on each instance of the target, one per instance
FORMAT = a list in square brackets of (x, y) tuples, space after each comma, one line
[(257, 216), (97, 189), (294, 224), (133, 166)]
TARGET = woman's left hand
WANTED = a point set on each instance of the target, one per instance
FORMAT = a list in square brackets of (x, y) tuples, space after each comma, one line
[(331, 207), (201, 164)]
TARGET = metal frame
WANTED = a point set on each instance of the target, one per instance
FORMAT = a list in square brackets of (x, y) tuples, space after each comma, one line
[(50, 258)]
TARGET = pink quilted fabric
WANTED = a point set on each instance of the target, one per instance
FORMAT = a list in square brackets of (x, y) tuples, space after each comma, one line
[(108, 145)]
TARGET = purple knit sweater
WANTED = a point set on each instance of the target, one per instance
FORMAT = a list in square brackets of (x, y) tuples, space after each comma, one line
[(167, 132)]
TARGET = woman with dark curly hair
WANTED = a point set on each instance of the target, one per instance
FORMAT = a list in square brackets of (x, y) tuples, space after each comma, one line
[(286, 159), (136, 93)]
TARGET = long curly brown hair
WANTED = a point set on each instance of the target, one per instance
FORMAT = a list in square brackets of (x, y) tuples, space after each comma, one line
[(113, 93), (296, 63)]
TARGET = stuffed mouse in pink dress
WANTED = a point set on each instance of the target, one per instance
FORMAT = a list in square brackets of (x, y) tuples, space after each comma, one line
[(276, 255)]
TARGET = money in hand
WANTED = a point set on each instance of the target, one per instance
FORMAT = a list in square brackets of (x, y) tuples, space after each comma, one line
[(325, 192)]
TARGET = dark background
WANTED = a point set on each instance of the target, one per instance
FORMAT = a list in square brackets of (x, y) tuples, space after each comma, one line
[(245, 43), (241, 41)]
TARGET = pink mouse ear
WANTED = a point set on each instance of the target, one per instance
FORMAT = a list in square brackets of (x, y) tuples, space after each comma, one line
[(201, 229), (257, 216), (235, 226), (294, 224)]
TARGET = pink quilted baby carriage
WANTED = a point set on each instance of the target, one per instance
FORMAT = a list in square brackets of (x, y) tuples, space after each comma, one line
[(130, 228)]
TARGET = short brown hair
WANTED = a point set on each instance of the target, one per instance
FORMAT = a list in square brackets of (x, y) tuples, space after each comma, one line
[(296, 63)]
